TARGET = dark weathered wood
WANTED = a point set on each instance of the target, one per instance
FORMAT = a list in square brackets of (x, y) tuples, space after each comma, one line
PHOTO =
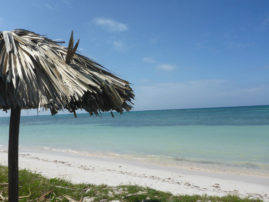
[(13, 186)]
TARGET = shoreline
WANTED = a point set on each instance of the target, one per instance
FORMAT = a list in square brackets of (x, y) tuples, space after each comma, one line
[(115, 171)]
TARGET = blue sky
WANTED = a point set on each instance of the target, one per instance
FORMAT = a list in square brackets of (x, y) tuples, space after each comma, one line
[(176, 54)]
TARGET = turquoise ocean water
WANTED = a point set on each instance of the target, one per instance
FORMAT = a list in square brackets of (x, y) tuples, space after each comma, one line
[(234, 136)]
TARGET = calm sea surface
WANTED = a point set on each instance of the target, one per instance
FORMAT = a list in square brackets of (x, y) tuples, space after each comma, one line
[(235, 136)]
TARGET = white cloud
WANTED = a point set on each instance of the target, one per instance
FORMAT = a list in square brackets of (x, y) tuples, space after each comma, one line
[(49, 6), (266, 22), (110, 25), (163, 67), (119, 45), (233, 44), (67, 2), (201, 93), (149, 60), (153, 40), (166, 67)]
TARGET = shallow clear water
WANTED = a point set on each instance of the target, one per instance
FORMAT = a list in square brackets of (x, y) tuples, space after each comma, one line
[(236, 136)]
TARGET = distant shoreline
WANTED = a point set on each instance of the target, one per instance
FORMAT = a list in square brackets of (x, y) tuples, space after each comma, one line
[(195, 108), (65, 112)]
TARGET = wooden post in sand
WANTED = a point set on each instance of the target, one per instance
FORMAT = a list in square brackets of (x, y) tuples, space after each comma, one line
[(13, 186)]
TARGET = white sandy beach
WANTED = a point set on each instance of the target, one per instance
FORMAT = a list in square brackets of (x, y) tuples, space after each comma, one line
[(115, 171)]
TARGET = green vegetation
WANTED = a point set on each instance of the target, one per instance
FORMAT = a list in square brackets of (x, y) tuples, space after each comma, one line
[(34, 187)]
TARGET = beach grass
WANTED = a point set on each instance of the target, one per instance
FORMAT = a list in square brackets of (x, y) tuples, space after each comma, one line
[(34, 187)]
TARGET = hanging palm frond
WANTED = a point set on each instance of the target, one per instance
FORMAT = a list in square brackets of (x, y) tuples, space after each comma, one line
[(37, 72)]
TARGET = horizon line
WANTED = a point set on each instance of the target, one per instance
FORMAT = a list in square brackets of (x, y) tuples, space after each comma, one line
[(65, 112)]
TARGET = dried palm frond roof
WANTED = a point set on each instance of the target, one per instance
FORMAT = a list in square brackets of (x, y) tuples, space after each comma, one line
[(37, 72)]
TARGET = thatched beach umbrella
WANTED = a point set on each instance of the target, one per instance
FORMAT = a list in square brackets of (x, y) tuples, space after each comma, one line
[(36, 72)]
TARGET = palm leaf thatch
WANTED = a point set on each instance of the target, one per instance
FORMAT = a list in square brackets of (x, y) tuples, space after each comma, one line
[(37, 72)]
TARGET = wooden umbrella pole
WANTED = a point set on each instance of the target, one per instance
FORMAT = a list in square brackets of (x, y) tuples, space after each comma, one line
[(13, 186)]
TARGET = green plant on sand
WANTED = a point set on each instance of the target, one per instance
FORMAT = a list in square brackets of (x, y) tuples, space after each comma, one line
[(34, 187)]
